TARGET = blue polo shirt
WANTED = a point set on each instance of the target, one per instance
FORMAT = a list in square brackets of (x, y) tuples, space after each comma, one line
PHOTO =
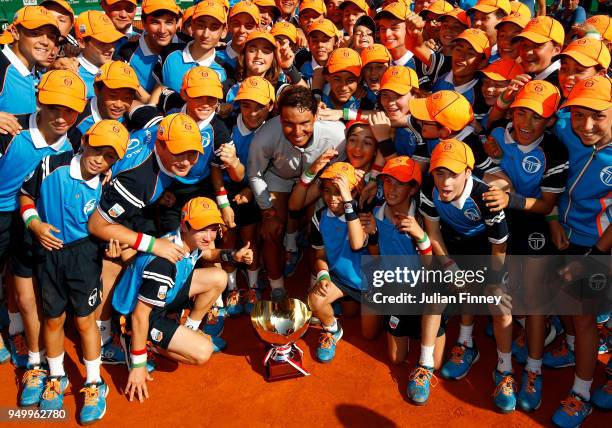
[(144, 62), (88, 72), (17, 84), (472, 91), (178, 63)]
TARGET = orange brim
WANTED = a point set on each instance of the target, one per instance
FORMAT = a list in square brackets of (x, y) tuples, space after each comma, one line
[(108, 36), (208, 220), (176, 147), (101, 141), (448, 163), (258, 98), (353, 69), (55, 98), (580, 58), (494, 76), (120, 83), (292, 37), (534, 37), (327, 33), (484, 8), (590, 103), (418, 110), (536, 107), (209, 90)]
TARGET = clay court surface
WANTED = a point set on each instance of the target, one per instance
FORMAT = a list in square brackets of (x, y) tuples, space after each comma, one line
[(358, 389)]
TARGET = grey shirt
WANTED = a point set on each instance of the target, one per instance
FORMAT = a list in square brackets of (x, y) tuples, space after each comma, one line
[(271, 152)]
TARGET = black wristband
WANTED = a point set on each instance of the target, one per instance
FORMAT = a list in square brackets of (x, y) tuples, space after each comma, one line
[(516, 201), (293, 74), (373, 239), (228, 256), (386, 147)]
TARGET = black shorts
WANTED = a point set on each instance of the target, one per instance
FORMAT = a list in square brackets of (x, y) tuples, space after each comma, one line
[(470, 246), (21, 250), (244, 214), (349, 291), (529, 234), (161, 327), (72, 276), (7, 233), (409, 326)]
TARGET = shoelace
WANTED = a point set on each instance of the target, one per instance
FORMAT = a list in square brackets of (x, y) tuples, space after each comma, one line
[(421, 374), (20, 344), (327, 340), (506, 386), (251, 296), (561, 350), (91, 394), (457, 354), (33, 377), (52, 390), (572, 405), (531, 380)]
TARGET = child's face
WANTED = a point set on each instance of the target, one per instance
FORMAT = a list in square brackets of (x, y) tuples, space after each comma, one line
[(392, 32), (364, 37), (430, 130), (395, 191), (186, 28), (200, 108), (528, 125), (97, 52), (253, 114), (320, 45), (395, 105), (114, 103), (58, 119), (486, 22), (432, 26), (97, 160), (207, 31), (266, 15), (350, 14), (592, 127), (64, 21), (307, 17), (331, 196), (121, 14), (36, 45), (536, 57), (372, 73), (258, 55), (505, 47), (241, 26), (334, 13), (571, 72), (342, 85), (360, 147), (287, 7), (449, 30), (179, 164), (449, 184), (492, 89), (161, 29), (466, 61), (202, 239)]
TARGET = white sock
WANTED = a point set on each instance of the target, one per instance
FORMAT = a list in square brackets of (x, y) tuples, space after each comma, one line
[(92, 369), (253, 276), (521, 321), (231, 281), (56, 365), (582, 387), (192, 324), (534, 366), (219, 303), (291, 242), (35, 358), (427, 356), (277, 283), (570, 341), (504, 361), (16, 323), (465, 335), (105, 331), (332, 328)]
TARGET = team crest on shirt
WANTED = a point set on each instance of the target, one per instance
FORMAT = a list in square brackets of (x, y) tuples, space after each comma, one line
[(606, 176), (531, 164), (116, 210), (89, 206), (156, 335), (162, 292), (472, 214), (206, 139)]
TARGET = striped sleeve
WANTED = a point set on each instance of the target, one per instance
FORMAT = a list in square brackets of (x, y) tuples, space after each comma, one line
[(426, 206), (157, 280)]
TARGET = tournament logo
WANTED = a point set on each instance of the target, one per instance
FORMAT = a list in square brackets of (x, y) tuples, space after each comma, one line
[(206, 139), (597, 281), (93, 297), (606, 176), (89, 206), (156, 335), (531, 164), (116, 210), (134, 142), (536, 241), (472, 214), (162, 292)]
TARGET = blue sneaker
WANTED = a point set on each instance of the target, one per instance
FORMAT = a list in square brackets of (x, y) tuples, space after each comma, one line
[(504, 396), (219, 344), (327, 344), (419, 383), (556, 321), (53, 396), (215, 321), (602, 397), (5, 354), (233, 303), (559, 357), (519, 348), (572, 412), (94, 406), (605, 339), (19, 350), (603, 318), (530, 394), (292, 259), (460, 362), (251, 298), (33, 385), (112, 352)]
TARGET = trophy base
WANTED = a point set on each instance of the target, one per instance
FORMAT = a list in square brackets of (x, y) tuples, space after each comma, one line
[(279, 370)]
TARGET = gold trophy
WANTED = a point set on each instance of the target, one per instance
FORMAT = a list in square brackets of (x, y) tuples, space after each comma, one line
[(281, 324)]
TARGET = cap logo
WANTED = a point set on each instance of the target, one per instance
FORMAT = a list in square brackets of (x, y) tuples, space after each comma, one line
[(395, 72), (205, 205), (204, 74), (538, 88), (346, 54), (187, 126), (589, 83), (116, 129), (447, 147), (105, 19), (253, 82), (68, 81)]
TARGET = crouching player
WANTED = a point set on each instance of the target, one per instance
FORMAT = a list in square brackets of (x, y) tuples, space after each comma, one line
[(153, 287), (56, 202)]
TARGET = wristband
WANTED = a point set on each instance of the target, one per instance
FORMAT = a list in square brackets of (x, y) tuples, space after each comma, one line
[(138, 358), (349, 206), (30, 219), (306, 178), (323, 274), (358, 118), (222, 199), (427, 250), (352, 114), (29, 213), (502, 103), (144, 243), (228, 256), (552, 217), (425, 238), (293, 74), (516, 201), (345, 113)]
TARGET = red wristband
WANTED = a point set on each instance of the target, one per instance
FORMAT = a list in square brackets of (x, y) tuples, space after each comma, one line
[(140, 352), (26, 207), (359, 115), (427, 250), (137, 243), (222, 193)]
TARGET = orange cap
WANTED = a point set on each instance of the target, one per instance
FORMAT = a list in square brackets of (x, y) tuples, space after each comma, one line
[(344, 59), (188, 14), (603, 25), (403, 169), (224, 3), (211, 8), (117, 74), (109, 133), (515, 18), (94, 23), (285, 29), (399, 79), (458, 14), (503, 69), (543, 29), (375, 53), (316, 5), (361, 4), (61, 3), (539, 96), (448, 108), (109, 2), (452, 154), (202, 81), (266, 3), (181, 134), (352, 123), (64, 88), (150, 6), (247, 7), (477, 39), (6, 38), (594, 93), (257, 89), (398, 10), (268, 37), (588, 52), (519, 7), (439, 7), (32, 17), (488, 6), (341, 169), (200, 212), (325, 26)]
